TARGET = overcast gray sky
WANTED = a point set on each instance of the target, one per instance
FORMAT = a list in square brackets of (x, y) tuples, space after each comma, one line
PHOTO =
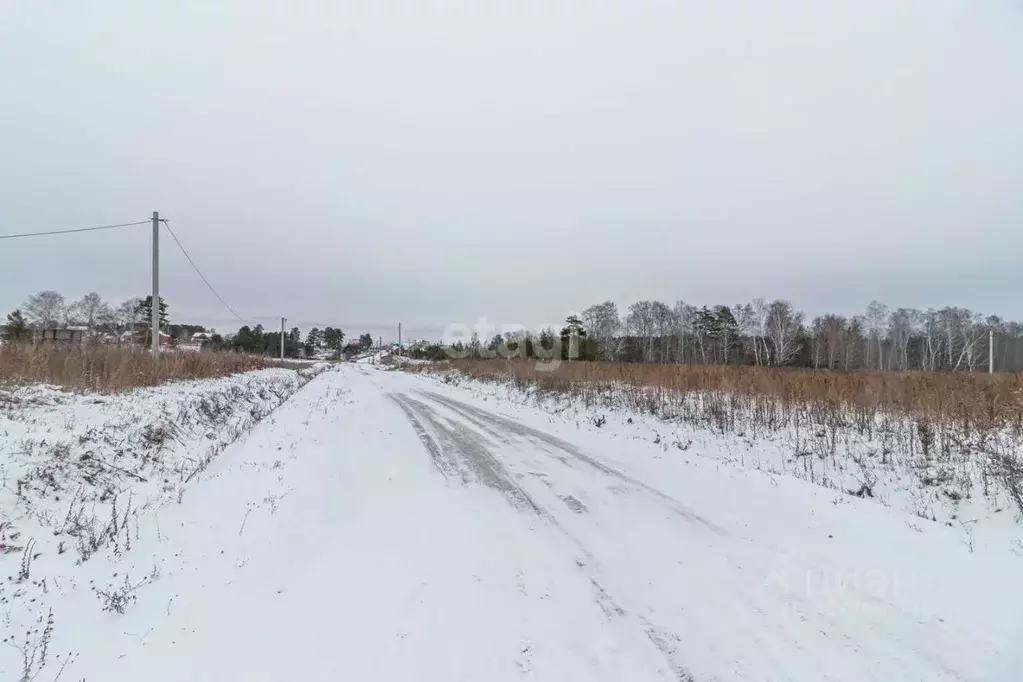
[(363, 161)]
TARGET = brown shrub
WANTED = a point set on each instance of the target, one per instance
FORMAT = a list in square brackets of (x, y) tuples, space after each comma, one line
[(116, 368)]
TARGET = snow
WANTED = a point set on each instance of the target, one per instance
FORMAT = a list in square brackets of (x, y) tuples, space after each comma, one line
[(952, 491), (386, 526)]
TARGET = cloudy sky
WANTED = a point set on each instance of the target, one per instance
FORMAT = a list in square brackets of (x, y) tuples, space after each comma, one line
[(360, 162)]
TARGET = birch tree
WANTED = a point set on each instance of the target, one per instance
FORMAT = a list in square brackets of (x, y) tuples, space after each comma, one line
[(604, 327), (761, 311), (902, 324), (661, 319), (877, 321), (640, 322), (782, 328)]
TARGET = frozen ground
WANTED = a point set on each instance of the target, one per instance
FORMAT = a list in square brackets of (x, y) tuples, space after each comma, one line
[(382, 526)]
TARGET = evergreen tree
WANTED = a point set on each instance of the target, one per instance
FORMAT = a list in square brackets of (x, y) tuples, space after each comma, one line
[(573, 339), (144, 309), (17, 328), (543, 347), (333, 339), (293, 347), (366, 341), (315, 338), (726, 330)]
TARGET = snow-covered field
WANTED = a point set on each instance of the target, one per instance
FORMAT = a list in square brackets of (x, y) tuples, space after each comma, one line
[(386, 526)]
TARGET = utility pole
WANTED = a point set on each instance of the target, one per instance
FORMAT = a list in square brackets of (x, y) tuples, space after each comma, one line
[(991, 351), (283, 320), (155, 316), (399, 339)]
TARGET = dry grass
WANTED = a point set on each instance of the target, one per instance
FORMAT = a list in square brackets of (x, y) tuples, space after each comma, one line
[(973, 401), (953, 432), (115, 368)]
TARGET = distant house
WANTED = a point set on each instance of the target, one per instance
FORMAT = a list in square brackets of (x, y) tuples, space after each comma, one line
[(201, 337), (63, 336), (142, 338)]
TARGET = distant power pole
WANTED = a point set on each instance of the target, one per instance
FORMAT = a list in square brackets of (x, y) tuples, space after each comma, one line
[(283, 320), (991, 351), (155, 316), (399, 339)]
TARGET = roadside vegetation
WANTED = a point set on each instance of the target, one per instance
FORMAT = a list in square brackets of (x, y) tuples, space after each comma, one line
[(114, 368)]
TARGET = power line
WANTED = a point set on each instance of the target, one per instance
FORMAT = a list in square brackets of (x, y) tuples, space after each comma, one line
[(80, 229), (198, 272)]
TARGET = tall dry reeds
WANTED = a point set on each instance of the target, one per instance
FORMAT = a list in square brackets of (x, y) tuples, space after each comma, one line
[(973, 400), (115, 368), (955, 431)]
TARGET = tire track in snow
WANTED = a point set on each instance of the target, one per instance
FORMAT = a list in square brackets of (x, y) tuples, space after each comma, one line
[(466, 453), (510, 428), (473, 451), (441, 460)]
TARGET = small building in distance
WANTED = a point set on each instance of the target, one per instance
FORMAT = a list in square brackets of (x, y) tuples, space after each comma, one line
[(64, 335)]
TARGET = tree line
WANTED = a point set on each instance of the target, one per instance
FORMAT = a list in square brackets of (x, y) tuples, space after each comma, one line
[(775, 333), (129, 322), (50, 310), (767, 333)]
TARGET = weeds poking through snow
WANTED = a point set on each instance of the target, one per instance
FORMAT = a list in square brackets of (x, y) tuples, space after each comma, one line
[(244, 521), (34, 648), (118, 599), (26, 561), (7, 537), (968, 532), (272, 500)]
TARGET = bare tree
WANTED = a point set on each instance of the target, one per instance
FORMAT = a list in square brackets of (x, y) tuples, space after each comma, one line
[(836, 332), (743, 314), (761, 311), (46, 309), (782, 328), (91, 310), (902, 324), (661, 316), (818, 340), (640, 322), (932, 340), (851, 344), (876, 319), (684, 318), (128, 316), (604, 326)]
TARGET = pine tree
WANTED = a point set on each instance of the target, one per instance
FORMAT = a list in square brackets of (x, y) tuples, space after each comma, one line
[(572, 339), (333, 339), (16, 329), (314, 339), (144, 309)]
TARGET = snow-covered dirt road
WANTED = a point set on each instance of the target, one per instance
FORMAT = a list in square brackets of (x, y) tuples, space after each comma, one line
[(382, 526)]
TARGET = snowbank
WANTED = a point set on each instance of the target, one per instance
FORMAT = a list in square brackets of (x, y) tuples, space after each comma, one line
[(71, 461), (79, 470)]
